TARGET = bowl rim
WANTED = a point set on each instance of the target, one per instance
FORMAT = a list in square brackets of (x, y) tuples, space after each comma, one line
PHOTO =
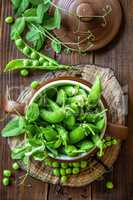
[(85, 85)]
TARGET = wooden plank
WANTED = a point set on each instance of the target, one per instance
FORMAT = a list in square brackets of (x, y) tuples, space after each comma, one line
[(38, 190), (118, 56)]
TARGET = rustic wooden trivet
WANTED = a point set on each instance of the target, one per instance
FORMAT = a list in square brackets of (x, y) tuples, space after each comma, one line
[(113, 94)]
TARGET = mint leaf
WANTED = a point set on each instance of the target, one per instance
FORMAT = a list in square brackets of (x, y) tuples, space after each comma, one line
[(23, 5), (32, 112), (17, 27), (14, 128), (35, 37)]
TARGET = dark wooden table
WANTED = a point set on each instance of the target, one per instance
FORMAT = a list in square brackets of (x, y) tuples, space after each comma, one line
[(118, 56)]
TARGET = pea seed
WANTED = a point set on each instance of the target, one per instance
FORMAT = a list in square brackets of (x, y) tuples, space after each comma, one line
[(7, 173), (70, 164), (5, 181), (83, 164), (24, 72), (34, 55), (35, 63), (41, 60), (109, 185), (64, 165), (75, 170), (26, 63), (56, 172), (68, 171), (76, 164), (19, 43), (49, 163), (34, 84), (15, 166), (45, 64), (9, 19), (63, 179), (63, 172), (55, 164), (26, 50)]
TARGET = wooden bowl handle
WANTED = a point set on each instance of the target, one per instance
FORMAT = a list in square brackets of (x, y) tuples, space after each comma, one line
[(118, 131)]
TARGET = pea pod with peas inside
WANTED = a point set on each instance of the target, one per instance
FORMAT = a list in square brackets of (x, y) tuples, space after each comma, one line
[(33, 64), (53, 116)]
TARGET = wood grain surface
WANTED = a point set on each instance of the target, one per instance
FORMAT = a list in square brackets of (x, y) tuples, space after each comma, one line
[(118, 56)]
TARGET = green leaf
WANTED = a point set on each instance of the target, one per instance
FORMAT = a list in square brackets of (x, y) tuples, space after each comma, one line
[(32, 112), (15, 3), (35, 37), (17, 28), (36, 2), (24, 4), (53, 22), (56, 46), (14, 128), (19, 152), (30, 12)]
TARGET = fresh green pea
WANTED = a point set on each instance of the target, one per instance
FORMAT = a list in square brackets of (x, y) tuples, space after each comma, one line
[(26, 50), (49, 163), (63, 179), (35, 63), (19, 43), (15, 166), (34, 55), (100, 124), (71, 150), (76, 164), (109, 185), (53, 116), (5, 181), (7, 173), (64, 165), (41, 60), (70, 164), (24, 72), (55, 164), (34, 84), (62, 172), (56, 172), (45, 64), (75, 170), (83, 164), (68, 171), (9, 20), (26, 62)]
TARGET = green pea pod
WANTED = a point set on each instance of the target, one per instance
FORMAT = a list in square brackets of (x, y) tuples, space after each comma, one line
[(61, 97), (49, 133), (71, 150), (54, 144), (77, 134), (20, 64), (86, 145), (53, 105), (20, 44), (63, 134), (70, 90), (95, 93), (100, 124), (53, 116), (69, 121)]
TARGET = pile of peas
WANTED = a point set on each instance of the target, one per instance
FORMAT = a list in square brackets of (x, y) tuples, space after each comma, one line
[(63, 170)]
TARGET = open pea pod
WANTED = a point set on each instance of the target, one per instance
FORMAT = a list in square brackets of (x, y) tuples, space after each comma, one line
[(77, 134)]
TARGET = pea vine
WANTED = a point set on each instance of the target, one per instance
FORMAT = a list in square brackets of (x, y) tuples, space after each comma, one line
[(35, 23)]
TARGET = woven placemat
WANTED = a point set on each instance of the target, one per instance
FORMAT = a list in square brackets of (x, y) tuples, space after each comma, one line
[(114, 97)]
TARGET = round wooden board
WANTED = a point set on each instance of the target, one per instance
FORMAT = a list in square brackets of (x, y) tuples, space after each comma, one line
[(114, 96)]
